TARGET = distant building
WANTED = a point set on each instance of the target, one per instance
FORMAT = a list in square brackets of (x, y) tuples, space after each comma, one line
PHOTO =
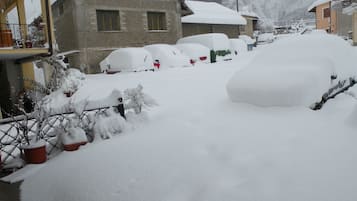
[(211, 17), (326, 18), (252, 22), (95, 28)]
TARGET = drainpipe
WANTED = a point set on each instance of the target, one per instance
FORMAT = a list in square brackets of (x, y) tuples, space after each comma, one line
[(330, 17)]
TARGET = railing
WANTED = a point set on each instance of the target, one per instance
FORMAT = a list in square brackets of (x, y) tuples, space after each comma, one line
[(12, 134), (22, 36)]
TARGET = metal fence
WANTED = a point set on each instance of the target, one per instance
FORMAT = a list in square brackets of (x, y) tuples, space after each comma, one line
[(12, 134), (22, 35)]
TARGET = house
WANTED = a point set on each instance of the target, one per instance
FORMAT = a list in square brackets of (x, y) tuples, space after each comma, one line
[(252, 22), (21, 41), (326, 18), (96, 28), (211, 17)]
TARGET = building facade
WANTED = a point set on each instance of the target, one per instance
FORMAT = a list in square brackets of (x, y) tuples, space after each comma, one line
[(211, 17), (96, 28), (326, 17), (20, 43)]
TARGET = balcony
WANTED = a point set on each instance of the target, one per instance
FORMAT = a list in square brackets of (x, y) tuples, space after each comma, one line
[(18, 41)]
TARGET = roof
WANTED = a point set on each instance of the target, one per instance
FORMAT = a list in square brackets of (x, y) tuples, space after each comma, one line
[(212, 13), (317, 3)]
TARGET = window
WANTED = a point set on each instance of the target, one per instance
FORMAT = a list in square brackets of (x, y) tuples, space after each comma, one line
[(108, 20), (156, 21), (326, 12)]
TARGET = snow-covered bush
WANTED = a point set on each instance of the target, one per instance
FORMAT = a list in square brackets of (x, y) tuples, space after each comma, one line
[(136, 99), (108, 124), (72, 80)]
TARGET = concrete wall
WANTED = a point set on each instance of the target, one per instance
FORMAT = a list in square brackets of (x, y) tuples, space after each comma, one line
[(134, 32), (343, 23), (324, 23), (249, 28), (193, 29)]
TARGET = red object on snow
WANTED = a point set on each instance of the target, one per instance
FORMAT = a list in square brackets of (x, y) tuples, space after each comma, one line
[(192, 61), (203, 58), (157, 64), (73, 147), (36, 155)]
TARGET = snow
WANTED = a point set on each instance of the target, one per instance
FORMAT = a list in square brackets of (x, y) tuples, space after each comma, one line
[(196, 52), (212, 13), (247, 12), (127, 60), (214, 41), (247, 39), (293, 72), (266, 37), (23, 173), (317, 3), (238, 46), (74, 135), (198, 145), (168, 56)]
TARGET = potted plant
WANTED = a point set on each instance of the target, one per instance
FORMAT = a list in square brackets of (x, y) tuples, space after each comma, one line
[(72, 81), (34, 148), (72, 135)]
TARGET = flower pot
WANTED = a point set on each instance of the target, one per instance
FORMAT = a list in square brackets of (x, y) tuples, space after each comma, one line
[(35, 155), (74, 146)]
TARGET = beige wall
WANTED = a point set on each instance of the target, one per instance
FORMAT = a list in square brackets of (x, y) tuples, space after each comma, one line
[(193, 29), (324, 23), (249, 28)]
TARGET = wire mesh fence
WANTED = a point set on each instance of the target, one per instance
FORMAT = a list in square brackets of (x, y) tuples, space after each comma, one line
[(13, 133)]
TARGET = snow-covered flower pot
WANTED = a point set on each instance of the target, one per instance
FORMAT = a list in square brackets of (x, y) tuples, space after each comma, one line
[(72, 81), (73, 139), (35, 153)]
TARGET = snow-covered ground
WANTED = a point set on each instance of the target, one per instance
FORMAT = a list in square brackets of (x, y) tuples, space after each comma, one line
[(198, 145)]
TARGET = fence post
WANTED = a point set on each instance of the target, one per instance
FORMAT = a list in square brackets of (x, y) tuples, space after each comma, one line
[(120, 107)]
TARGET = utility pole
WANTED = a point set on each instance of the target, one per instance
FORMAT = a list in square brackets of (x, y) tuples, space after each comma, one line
[(237, 6)]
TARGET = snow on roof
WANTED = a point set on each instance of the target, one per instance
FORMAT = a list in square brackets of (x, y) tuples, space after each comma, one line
[(212, 13), (350, 9), (317, 3), (246, 12)]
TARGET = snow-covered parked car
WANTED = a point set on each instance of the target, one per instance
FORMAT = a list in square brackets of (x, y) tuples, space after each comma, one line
[(168, 56), (298, 71), (127, 60), (238, 46), (218, 44), (249, 41), (266, 38), (196, 52)]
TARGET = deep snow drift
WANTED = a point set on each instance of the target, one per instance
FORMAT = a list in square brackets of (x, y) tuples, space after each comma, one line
[(198, 145), (294, 71)]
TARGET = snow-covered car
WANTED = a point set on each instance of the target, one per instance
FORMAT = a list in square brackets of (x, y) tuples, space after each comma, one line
[(127, 60), (266, 38), (238, 46), (218, 44), (196, 52), (249, 41), (302, 70), (168, 56)]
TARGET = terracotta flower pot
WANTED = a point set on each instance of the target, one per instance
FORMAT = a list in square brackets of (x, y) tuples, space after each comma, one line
[(35, 155), (74, 146)]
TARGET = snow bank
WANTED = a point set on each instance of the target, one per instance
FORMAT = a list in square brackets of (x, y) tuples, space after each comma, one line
[(247, 39), (127, 60), (168, 56), (294, 71), (266, 37), (196, 52), (212, 13), (238, 46)]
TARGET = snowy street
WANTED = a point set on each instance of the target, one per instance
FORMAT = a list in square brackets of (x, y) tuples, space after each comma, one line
[(198, 145)]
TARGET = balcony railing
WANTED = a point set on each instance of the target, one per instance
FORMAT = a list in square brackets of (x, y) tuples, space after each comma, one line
[(22, 36)]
